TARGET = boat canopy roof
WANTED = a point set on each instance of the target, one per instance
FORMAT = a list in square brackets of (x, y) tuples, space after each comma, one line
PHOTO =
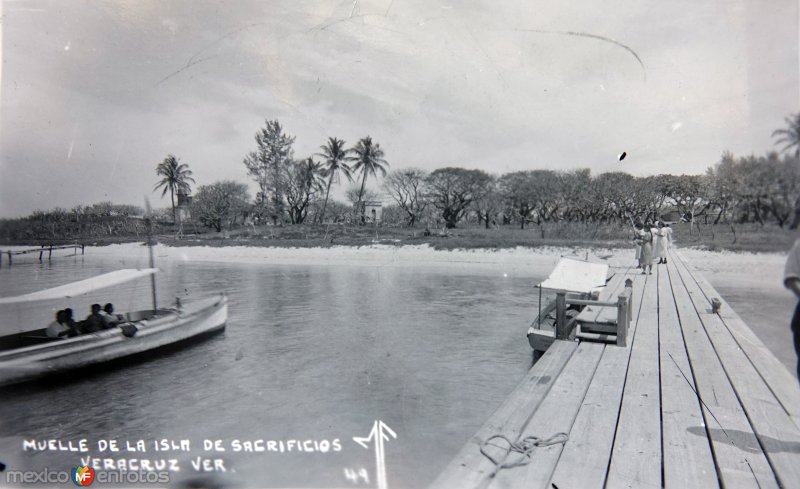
[(82, 286), (576, 276)]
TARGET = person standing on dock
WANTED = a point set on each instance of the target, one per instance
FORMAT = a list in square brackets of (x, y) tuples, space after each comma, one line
[(668, 238), (660, 247), (647, 249), (791, 279), (638, 234)]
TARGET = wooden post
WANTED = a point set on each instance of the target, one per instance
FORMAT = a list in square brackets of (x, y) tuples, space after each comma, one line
[(622, 319), (561, 316), (629, 287), (50, 253), (81, 249), (41, 251), (9, 257)]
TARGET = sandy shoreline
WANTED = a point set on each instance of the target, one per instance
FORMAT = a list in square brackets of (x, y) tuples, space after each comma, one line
[(517, 261), (736, 269)]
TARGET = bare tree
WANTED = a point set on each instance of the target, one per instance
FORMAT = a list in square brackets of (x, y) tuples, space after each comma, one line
[(517, 191), (219, 204), (406, 187), (489, 203), (452, 191), (305, 181), (690, 193)]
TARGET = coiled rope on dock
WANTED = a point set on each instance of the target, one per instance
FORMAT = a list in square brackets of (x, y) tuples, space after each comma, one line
[(523, 447)]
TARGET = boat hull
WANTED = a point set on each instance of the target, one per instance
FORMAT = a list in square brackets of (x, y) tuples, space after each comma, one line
[(168, 328)]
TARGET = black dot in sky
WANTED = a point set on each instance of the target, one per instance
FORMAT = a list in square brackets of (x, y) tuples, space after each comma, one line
[(622, 156)]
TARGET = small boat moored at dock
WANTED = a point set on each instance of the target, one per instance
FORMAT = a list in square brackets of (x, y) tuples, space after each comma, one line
[(573, 280), (588, 306)]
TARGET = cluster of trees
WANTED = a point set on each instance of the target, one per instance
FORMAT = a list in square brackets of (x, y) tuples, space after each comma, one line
[(753, 189), (749, 189), (290, 187), (99, 220), (735, 190)]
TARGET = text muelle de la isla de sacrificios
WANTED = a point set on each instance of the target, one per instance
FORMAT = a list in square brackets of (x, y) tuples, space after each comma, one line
[(159, 455)]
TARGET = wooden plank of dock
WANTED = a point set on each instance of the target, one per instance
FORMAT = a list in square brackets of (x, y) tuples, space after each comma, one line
[(596, 423), (470, 467), (687, 458), (555, 415), (692, 401), (777, 433), (737, 454), (639, 427), (782, 382)]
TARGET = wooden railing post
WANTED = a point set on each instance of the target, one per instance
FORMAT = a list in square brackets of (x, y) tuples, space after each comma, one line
[(629, 288), (561, 316), (622, 319), (9, 257), (41, 252)]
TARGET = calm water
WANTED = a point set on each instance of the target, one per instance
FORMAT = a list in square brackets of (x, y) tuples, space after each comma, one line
[(309, 353)]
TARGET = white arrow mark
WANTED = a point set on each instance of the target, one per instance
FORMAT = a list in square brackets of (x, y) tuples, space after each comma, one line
[(380, 432)]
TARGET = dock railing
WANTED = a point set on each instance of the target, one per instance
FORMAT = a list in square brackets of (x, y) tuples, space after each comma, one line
[(623, 305), (41, 250)]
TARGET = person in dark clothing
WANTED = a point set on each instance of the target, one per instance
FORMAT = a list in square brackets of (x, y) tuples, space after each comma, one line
[(791, 279), (109, 317), (74, 328), (94, 322)]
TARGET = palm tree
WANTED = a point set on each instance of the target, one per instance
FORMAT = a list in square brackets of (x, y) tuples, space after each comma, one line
[(335, 156), (313, 175), (368, 160), (790, 136), (175, 178)]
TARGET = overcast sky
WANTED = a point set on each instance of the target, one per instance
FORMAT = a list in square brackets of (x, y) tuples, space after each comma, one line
[(95, 94)]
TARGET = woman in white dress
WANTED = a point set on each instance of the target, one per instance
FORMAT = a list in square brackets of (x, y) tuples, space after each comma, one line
[(667, 239), (660, 245)]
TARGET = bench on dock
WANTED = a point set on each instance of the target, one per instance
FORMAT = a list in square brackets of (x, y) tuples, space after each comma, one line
[(599, 320), (694, 400), (606, 319)]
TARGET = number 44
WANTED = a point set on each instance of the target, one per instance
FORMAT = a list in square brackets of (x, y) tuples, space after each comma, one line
[(357, 476)]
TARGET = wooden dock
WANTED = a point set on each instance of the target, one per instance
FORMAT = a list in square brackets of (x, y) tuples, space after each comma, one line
[(694, 400), (41, 251)]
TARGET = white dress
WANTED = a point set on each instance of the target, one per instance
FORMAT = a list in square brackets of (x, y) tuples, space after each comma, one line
[(660, 245), (667, 237)]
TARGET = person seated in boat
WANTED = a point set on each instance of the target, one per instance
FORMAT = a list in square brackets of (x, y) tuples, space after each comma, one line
[(64, 326), (69, 320), (94, 322), (58, 328), (109, 317)]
